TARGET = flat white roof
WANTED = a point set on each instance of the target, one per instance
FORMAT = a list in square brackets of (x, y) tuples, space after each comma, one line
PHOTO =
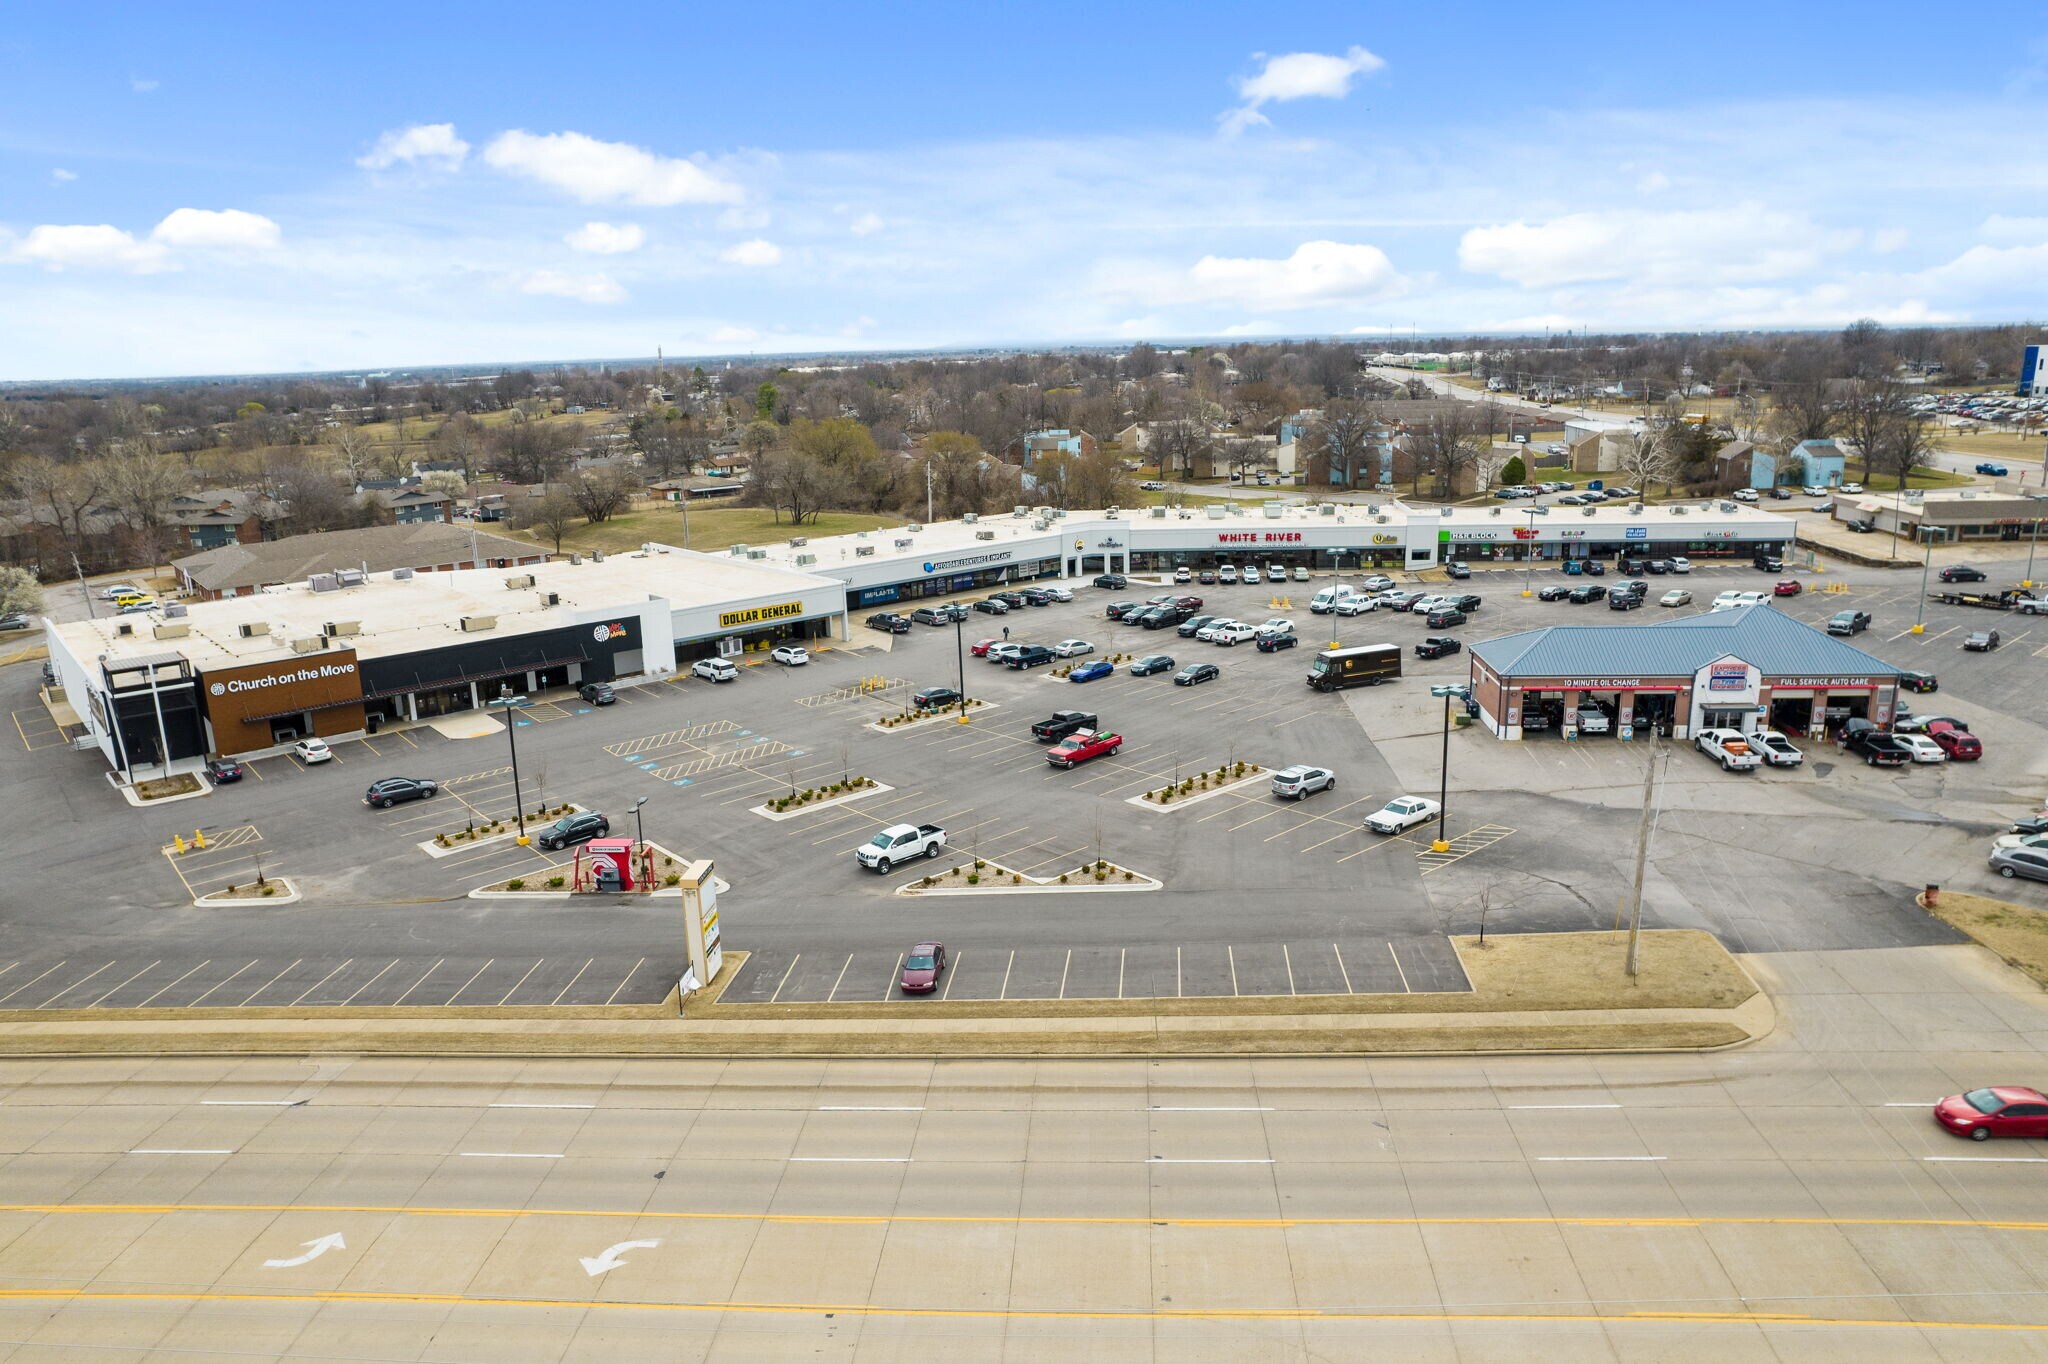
[(402, 616)]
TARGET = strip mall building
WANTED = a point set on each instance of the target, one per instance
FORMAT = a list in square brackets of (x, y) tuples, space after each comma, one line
[(343, 653)]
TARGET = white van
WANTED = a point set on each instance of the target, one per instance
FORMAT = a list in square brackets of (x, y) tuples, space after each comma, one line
[(1325, 601)]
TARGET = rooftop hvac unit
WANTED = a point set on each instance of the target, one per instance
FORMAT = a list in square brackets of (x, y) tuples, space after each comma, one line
[(805, 560), (902, 542), (1969, 492), (1158, 513), (575, 558), (968, 518), (401, 575), (173, 630), (1112, 511), (738, 551), (1059, 513), (1587, 511), (1041, 524), (1328, 509), (1678, 511), (1493, 511), (863, 551), (322, 582), (1725, 506), (757, 554), (984, 535), (1213, 512), (914, 526), (1372, 509), (550, 599), (799, 541), (174, 610), (597, 556), (1381, 519), (1020, 511), (1635, 508), (252, 628), (309, 644), (124, 627), (523, 580), (1272, 511), (473, 624), (342, 627), (350, 577)]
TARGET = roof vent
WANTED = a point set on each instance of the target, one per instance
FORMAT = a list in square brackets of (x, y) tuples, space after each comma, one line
[(984, 535), (519, 583), (1635, 508), (913, 526), (969, 518), (322, 582), (476, 624), (902, 542), (1381, 519), (1678, 511), (310, 644), (1493, 511), (250, 629), (124, 627), (174, 610), (1588, 511), (597, 556), (402, 575), (350, 577), (575, 558), (1020, 512), (863, 551), (798, 541)]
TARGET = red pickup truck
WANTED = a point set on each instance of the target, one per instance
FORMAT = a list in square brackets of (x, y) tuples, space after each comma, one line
[(1082, 745)]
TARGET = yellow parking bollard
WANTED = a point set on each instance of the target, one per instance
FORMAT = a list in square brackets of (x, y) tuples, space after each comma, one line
[(199, 839), (178, 842)]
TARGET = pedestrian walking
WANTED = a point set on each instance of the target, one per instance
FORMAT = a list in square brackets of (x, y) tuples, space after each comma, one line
[(1006, 634)]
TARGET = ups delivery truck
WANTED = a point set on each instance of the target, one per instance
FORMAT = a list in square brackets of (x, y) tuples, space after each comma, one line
[(1368, 665)]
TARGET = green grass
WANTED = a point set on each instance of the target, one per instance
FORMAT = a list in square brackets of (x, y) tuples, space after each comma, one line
[(711, 528)]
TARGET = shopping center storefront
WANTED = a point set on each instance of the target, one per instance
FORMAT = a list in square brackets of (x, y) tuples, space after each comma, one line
[(1747, 669)]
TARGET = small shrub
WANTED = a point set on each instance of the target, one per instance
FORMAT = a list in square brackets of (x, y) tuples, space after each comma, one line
[(516, 883), (1127, 876), (440, 840), (1101, 875), (555, 882), (1100, 863), (1151, 795), (974, 878), (270, 890), (1063, 878), (1015, 879), (979, 864), (674, 878), (924, 881), (232, 889)]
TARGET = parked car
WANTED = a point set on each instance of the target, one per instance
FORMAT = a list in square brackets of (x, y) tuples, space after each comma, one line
[(790, 655), (1592, 718), (922, 967), (1298, 781), (1029, 656), (722, 669), (1249, 574), (932, 615), (1788, 587), (310, 751), (1194, 625), (1436, 646), (1848, 622), (1981, 641), (2031, 824), (1357, 604), (2031, 863), (1923, 749), (1959, 744), (980, 647), (991, 607), (1744, 494), (14, 620), (580, 827), (1852, 488), (1961, 573), (889, 623), (1729, 747), (935, 698), (1994, 470), (1183, 575), (1206, 576), (1058, 593), (1402, 813), (1586, 592), (1113, 581), (395, 790), (1680, 564), (2001, 1111), (221, 771), (1272, 641), (1115, 610), (1444, 618), (1377, 582), (1196, 673), (1072, 648), (1775, 748), (1083, 745), (1919, 682), (1233, 634), (1457, 568), (116, 591), (1922, 724), (1003, 652), (1151, 663), (1553, 592), (597, 694), (1623, 601), (1878, 748), (1088, 672), (900, 843), (1677, 596)]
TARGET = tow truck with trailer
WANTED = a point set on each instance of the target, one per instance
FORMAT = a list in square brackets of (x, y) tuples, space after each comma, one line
[(2009, 599)]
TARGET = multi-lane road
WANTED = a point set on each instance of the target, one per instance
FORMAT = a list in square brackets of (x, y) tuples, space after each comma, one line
[(1792, 1199)]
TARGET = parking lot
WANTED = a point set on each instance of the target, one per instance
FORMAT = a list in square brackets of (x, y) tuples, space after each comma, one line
[(1259, 896)]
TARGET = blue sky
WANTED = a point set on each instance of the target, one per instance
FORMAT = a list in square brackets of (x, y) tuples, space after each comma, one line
[(209, 188)]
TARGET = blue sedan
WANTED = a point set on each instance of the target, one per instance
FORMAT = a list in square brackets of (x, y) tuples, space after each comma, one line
[(1088, 672)]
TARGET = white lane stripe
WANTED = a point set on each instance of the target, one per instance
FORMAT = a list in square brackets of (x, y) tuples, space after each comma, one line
[(1987, 1160), (1535, 1106), (871, 1108), (1174, 1160), (176, 1151), (542, 1105), (515, 1155), (1579, 1158), (850, 1160), (250, 1103), (1928, 1104), (1218, 1108)]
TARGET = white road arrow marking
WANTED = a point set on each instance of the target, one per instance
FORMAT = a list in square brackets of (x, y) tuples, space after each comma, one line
[(314, 1250), (608, 1258)]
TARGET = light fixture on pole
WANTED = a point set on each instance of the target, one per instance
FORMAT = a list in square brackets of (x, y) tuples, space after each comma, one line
[(1529, 569), (1927, 534), (639, 831), (683, 500), (2033, 541), (960, 654), (1443, 794), (506, 703)]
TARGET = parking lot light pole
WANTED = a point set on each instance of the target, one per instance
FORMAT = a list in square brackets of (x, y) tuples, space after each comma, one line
[(506, 703), (639, 830), (1927, 533), (2033, 541), (960, 656), (1529, 572), (1443, 794)]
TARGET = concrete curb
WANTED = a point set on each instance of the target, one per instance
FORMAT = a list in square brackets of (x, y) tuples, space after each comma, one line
[(1180, 802), (948, 716), (290, 896), (873, 788)]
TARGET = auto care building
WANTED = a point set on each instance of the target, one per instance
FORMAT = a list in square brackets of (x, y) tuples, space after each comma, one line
[(343, 653), (1747, 668)]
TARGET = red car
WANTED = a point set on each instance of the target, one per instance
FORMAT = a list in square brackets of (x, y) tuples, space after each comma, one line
[(1082, 745), (1188, 603), (921, 967), (2001, 1111), (981, 647), (1788, 587), (1960, 745)]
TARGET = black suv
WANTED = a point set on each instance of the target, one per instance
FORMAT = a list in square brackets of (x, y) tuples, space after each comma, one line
[(1623, 601), (889, 622), (1192, 624), (1030, 656), (1586, 592), (390, 791), (580, 828), (597, 693), (1919, 682), (1443, 617), (1767, 563)]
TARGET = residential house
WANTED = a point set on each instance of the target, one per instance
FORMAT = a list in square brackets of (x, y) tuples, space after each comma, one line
[(1819, 463), (698, 488), (1033, 446), (214, 517), (241, 570), (409, 506)]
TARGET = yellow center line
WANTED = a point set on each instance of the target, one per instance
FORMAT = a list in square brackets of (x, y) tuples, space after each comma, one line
[(877, 1219), (1027, 1314)]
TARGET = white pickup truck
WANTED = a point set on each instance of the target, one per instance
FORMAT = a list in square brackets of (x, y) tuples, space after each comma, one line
[(899, 843), (1729, 747)]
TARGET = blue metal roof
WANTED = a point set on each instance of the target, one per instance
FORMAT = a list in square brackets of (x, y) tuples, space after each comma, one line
[(1776, 644)]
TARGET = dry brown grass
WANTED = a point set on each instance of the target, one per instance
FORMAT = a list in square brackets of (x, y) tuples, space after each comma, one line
[(2017, 933)]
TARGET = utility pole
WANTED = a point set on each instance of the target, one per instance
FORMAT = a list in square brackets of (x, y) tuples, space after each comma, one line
[(83, 590), (928, 490), (1649, 819)]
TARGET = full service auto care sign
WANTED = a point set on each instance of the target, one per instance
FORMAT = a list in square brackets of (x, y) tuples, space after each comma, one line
[(760, 615)]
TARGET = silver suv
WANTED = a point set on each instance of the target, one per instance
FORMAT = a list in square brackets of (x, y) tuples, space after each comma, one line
[(1292, 783)]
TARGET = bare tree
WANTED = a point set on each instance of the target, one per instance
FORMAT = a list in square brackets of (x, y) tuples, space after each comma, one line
[(531, 450), (1180, 441), (1879, 416), (1648, 458), (1443, 447), (355, 450), (140, 486), (1341, 442), (796, 483), (553, 514), (599, 493)]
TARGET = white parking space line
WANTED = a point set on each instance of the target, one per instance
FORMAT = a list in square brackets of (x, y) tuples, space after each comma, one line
[(1341, 969), (180, 1151), (513, 1105), (137, 976), (785, 977), (840, 979), (416, 984), (1213, 1160), (1985, 1160), (1579, 1159), (161, 988), (514, 1155), (1541, 1107), (1003, 993), (1405, 988), (217, 984), (324, 979), (849, 1160), (572, 982), (371, 981)]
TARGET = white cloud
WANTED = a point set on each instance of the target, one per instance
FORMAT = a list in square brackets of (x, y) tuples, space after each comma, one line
[(866, 225), (1297, 75), (1250, 329), (1656, 182), (755, 252), (425, 142), (1742, 242), (732, 336), (606, 239), (2000, 227), (598, 172), (1889, 239), (582, 288), (100, 247), (229, 228), (61, 176), (1317, 273), (142, 85)]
